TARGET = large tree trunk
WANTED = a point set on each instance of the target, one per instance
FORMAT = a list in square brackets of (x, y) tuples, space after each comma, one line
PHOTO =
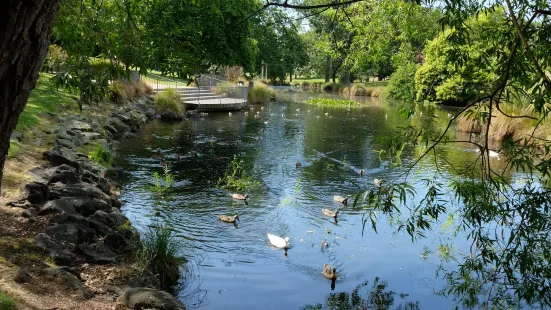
[(327, 69), (346, 78), (291, 76), (25, 29)]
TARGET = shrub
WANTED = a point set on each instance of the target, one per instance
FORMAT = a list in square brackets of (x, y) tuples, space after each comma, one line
[(55, 60), (401, 84), (261, 93), (169, 101), (6, 302), (305, 84), (143, 88), (334, 87), (358, 90), (159, 252), (374, 92), (117, 93), (101, 155)]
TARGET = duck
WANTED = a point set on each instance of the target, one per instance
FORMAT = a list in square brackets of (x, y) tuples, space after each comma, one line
[(298, 164), (239, 196), (493, 154), (340, 199), (330, 213), (266, 123), (256, 116), (228, 218), (229, 113), (261, 108), (279, 242), (329, 272), (326, 113), (362, 171), (324, 244), (377, 182), (246, 113)]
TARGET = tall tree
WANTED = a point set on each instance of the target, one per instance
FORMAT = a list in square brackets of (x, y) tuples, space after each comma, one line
[(25, 28)]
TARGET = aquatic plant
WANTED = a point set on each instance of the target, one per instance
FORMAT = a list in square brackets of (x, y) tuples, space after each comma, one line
[(167, 177), (236, 177), (333, 102), (158, 251), (261, 93), (101, 155)]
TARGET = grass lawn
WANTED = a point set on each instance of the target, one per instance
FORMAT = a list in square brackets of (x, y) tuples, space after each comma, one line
[(6, 303), (322, 80), (44, 98), (153, 76)]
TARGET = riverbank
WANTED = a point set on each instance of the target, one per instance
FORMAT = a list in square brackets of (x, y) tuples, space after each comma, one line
[(64, 242)]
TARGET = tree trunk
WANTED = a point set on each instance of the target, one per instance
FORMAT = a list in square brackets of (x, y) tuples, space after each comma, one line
[(25, 29), (346, 78), (327, 68), (291, 76)]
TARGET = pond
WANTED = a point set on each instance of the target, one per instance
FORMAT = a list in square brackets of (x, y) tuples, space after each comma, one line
[(235, 267)]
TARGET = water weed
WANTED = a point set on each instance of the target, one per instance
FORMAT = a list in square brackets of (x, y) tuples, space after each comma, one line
[(236, 178), (162, 183), (101, 156), (333, 102)]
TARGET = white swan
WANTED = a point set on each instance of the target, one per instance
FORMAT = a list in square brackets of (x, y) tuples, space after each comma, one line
[(278, 242)]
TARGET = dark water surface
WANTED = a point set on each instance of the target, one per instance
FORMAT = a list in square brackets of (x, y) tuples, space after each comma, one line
[(236, 267)]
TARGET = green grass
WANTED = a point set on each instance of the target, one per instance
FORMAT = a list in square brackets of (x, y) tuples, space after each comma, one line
[(6, 302), (261, 93), (159, 253), (44, 98), (153, 76), (15, 147), (309, 80)]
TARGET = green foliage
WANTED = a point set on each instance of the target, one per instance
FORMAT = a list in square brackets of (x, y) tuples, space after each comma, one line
[(378, 296), (6, 302), (169, 101), (159, 252), (401, 84), (161, 183), (260, 94), (55, 60), (332, 102), (236, 177), (101, 156), (456, 73)]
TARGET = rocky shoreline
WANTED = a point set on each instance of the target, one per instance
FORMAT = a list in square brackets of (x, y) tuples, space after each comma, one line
[(73, 203)]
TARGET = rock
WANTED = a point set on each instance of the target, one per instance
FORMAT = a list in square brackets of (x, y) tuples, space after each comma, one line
[(63, 173), (129, 135), (67, 143), (147, 298), (111, 220), (123, 118), (171, 116), (97, 253), (29, 213), (36, 192), (69, 281), (24, 204), (78, 125), (62, 156), (191, 113), (80, 190), (117, 124), (100, 228), (145, 278), (61, 205), (86, 233), (89, 206), (150, 113), (63, 232), (22, 276), (90, 136), (58, 252), (16, 136)]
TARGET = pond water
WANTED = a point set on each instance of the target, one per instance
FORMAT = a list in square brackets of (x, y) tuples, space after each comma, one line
[(235, 267)]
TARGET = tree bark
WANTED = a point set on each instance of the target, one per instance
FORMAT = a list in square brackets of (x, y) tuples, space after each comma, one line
[(346, 78), (291, 76), (25, 29), (327, 69)]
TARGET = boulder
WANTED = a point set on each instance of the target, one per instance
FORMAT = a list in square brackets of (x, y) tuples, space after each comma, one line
[(147, 298), (86, 233), (90, 136), (81, 190), (78, 125), (150, 113), (61, 205), (22, 276), (89, 206), (16, 136), (129, 135), (36, 192), (63, 173), (101, 229), (66, 143), (117, 124), (29, 213), (62, 156), (97, 253), (171, 116), (69, 281), (57, 251), (65, 233)]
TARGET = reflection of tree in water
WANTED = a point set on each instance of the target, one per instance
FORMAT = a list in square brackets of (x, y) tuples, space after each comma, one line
[(376, 297)]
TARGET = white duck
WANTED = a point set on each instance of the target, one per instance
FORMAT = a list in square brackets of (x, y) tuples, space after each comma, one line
[(278, 242)]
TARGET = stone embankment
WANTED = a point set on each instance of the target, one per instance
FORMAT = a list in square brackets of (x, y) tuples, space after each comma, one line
[(76, 200)]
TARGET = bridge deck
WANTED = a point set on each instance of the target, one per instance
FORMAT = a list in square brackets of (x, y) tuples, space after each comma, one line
[(219, 104)]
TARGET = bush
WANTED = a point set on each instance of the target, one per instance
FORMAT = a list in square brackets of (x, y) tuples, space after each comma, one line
[(333, 87), (101, 155), (6, 302), (261, 93), (169, 101), (117, 93), (159, 253), (143, 88), (401, 84), (55, 60), (358, 90)]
